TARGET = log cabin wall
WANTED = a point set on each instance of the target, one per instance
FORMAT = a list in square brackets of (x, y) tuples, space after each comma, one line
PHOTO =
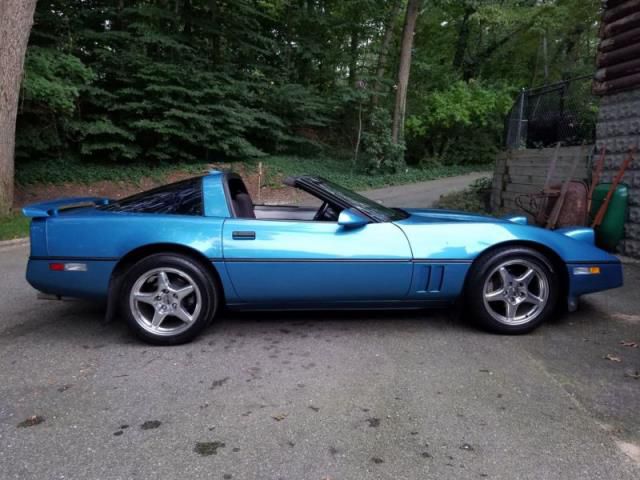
[(617, 82)]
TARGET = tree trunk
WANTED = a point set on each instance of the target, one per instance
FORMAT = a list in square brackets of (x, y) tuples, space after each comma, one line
[(16, 18), (216, 42), (353, 56), (463, 38), (384, 49), (413, 8), (545, 57)]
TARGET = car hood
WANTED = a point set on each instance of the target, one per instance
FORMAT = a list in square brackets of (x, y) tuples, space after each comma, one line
[(434, 215)]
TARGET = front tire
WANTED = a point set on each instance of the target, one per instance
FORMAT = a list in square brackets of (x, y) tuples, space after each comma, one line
[(512, 290), (168, 299)]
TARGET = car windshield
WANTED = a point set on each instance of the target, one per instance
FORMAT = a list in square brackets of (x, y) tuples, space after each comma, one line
[(369, 207)]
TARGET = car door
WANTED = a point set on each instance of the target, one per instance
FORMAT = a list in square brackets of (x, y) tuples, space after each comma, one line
[(276, 261)]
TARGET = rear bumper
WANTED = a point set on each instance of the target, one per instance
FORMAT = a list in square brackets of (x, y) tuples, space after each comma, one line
[(92, 283), (610, 276)]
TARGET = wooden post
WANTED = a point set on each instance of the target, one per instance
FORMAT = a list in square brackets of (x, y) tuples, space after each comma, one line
[(259, 195)]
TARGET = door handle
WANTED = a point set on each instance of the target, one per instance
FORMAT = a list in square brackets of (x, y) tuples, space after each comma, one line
[(243, 235)]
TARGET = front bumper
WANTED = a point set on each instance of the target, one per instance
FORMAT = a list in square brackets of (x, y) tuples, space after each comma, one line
[(610, 276)]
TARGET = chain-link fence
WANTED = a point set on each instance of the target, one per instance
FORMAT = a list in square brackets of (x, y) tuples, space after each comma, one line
[(561, 112)]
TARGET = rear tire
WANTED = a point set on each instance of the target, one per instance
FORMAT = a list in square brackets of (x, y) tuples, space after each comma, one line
[(168, 299), (512, 290)]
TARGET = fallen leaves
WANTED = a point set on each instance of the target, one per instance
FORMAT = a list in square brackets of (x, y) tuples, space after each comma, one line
[(31, 421), (633, 374), (630, 344), (626, 317), (373, 422), (150, 424), (612, 357), (208, 448), (279, 417)]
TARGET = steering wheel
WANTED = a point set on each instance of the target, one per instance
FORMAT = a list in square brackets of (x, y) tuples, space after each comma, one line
[(321, 211)]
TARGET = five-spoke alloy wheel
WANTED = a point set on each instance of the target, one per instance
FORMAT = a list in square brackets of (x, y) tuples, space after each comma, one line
[(168, 298), (512, 290)]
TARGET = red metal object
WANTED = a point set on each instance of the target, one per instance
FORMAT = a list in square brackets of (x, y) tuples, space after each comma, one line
[(573, 209), (605, 204), (559, 205), (541, 205), (595, 178), (554, 216)]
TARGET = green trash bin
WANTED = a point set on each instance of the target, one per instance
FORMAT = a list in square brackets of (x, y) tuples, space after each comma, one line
[(611, 231)]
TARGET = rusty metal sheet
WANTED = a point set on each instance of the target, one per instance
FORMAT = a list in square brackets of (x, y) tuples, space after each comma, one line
[(574, 210)]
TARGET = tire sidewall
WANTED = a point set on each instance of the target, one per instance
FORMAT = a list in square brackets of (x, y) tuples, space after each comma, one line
[(486, 264), (205, 282)]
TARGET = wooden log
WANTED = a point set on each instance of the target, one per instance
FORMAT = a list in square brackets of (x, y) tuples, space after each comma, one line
[(539, 180), (621, 40), (619, 70), (617, 85), (527, 162), (609, 4), (622, 25), (617, 12), (620, 55), (517, 188)]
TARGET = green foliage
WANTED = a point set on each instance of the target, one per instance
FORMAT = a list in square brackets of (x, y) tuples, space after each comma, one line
[(382, 155), (474, 199), (168, 86), (14, 226), (59, 171), (153, 82), (275, 167), (52, 86), (54, 80), (459, 124), (461, 105)]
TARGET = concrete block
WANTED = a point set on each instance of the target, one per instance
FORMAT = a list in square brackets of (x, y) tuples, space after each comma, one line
[(632, 231), (634, 214), (631, 248)]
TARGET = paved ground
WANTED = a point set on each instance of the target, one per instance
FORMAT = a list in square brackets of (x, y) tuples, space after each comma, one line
[(317, 396), (423, 194)]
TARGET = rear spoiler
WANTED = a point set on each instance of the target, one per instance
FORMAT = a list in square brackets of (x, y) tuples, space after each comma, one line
[(53, 207)]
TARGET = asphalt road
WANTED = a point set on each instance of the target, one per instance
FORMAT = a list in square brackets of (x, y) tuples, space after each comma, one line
[(317, 396), (423, 194)]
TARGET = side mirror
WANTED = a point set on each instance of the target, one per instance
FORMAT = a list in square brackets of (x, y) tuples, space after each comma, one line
[(351, 218)]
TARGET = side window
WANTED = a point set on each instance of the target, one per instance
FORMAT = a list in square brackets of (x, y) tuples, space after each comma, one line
[(236, 186), (180, 198)]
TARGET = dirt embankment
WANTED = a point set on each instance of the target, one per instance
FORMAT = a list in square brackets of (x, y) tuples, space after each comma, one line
[(26, 194)]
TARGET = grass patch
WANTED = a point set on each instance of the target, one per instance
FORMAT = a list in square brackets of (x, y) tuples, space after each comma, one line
[(474, 199), (275, 168), (14, 226)]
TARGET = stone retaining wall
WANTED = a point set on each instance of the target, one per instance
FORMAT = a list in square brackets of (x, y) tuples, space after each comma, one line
[(525, 171), (619, 129)]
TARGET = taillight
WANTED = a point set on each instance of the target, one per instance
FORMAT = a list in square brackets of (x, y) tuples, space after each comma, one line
[(68, 267)]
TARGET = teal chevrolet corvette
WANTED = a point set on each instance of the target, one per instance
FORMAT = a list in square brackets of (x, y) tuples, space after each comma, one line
[(167, 260)]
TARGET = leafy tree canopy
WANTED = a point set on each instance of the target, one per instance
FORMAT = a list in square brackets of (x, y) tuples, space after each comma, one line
[(187, 80)]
